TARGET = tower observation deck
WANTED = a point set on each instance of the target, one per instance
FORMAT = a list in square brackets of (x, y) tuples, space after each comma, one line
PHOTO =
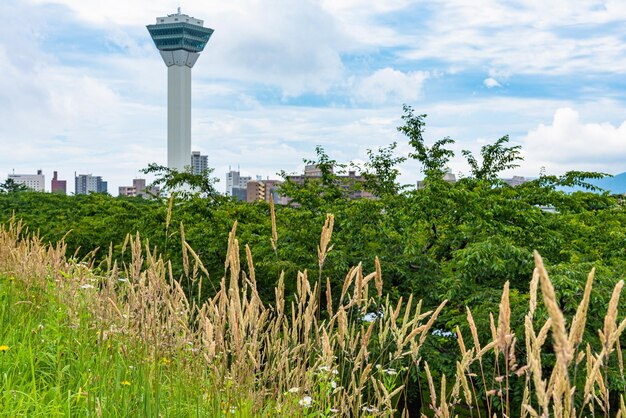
[(180, 39)]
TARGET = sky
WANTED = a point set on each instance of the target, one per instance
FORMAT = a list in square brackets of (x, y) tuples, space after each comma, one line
[(83, 88)]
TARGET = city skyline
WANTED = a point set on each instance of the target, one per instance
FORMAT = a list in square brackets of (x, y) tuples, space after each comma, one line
[(83, 86)]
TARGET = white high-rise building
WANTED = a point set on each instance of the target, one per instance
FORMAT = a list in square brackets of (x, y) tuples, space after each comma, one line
[(199, 163), (235, 181), (180, 39), (36, 182), (87, 183)]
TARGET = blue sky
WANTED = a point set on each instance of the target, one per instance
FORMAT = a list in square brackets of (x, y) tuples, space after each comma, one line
[(83, 88)]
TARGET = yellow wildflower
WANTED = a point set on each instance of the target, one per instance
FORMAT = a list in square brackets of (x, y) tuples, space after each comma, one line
[(4, 348), (125, 383)]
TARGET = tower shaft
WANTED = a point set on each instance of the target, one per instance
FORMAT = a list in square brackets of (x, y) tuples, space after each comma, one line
[(178, 117), (179, 39)]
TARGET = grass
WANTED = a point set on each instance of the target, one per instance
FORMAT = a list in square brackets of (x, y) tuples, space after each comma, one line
[(126, 341), (59, 363)]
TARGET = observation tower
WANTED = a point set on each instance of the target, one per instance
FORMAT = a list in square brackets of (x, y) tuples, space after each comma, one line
[(180, 39)]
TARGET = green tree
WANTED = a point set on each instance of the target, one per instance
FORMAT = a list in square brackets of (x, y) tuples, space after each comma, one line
[(10, 186), (183, 184), (434, 159), (317, 192), (381, 172), (459, 241), (572, 179), (496, 158)]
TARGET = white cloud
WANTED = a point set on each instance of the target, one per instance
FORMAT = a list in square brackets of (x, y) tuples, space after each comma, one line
[(390, 86), (526, 36), (568, 143), (491, 83), (297, 49), (359, 20), (65, 116), (103, 111), (300, 48)]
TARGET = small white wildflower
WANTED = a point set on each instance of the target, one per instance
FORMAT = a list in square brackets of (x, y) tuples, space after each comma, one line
[(443, 333), (333, 384), (87, 286), (391, 372), (335, 371), (294, 390), (324, 368), (372, 409), (305, 402), (334, 410), (233, 410), (378, 366), (369, 317)]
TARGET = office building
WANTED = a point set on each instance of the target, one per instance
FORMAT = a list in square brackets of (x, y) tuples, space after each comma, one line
[(352, 186), (260, 190), (234, 180), (138, 189), (180, 39), (128, 191), (312, 171), (87, 183), (199, 163), (240, 193), (35, 182), (350, 183), (516, 181), (58, 186)]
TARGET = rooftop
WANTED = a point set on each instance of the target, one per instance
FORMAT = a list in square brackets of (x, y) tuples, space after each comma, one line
[(179, 31)]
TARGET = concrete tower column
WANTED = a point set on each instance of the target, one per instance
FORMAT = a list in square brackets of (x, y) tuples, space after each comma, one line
[(178, 117), (180, 39)]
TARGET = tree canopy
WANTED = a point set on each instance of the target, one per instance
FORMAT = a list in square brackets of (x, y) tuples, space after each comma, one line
[(458, 241)]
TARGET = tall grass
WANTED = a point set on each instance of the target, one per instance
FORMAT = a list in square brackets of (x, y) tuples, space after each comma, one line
[(124, 340)]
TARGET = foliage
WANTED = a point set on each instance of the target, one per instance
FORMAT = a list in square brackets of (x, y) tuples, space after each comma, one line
[(10, 186), (381, 175), (496, 158), (314, 192), (458, 241), (125, 340), (141, 339), (434, 159), (572, 179), (184, 184)]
